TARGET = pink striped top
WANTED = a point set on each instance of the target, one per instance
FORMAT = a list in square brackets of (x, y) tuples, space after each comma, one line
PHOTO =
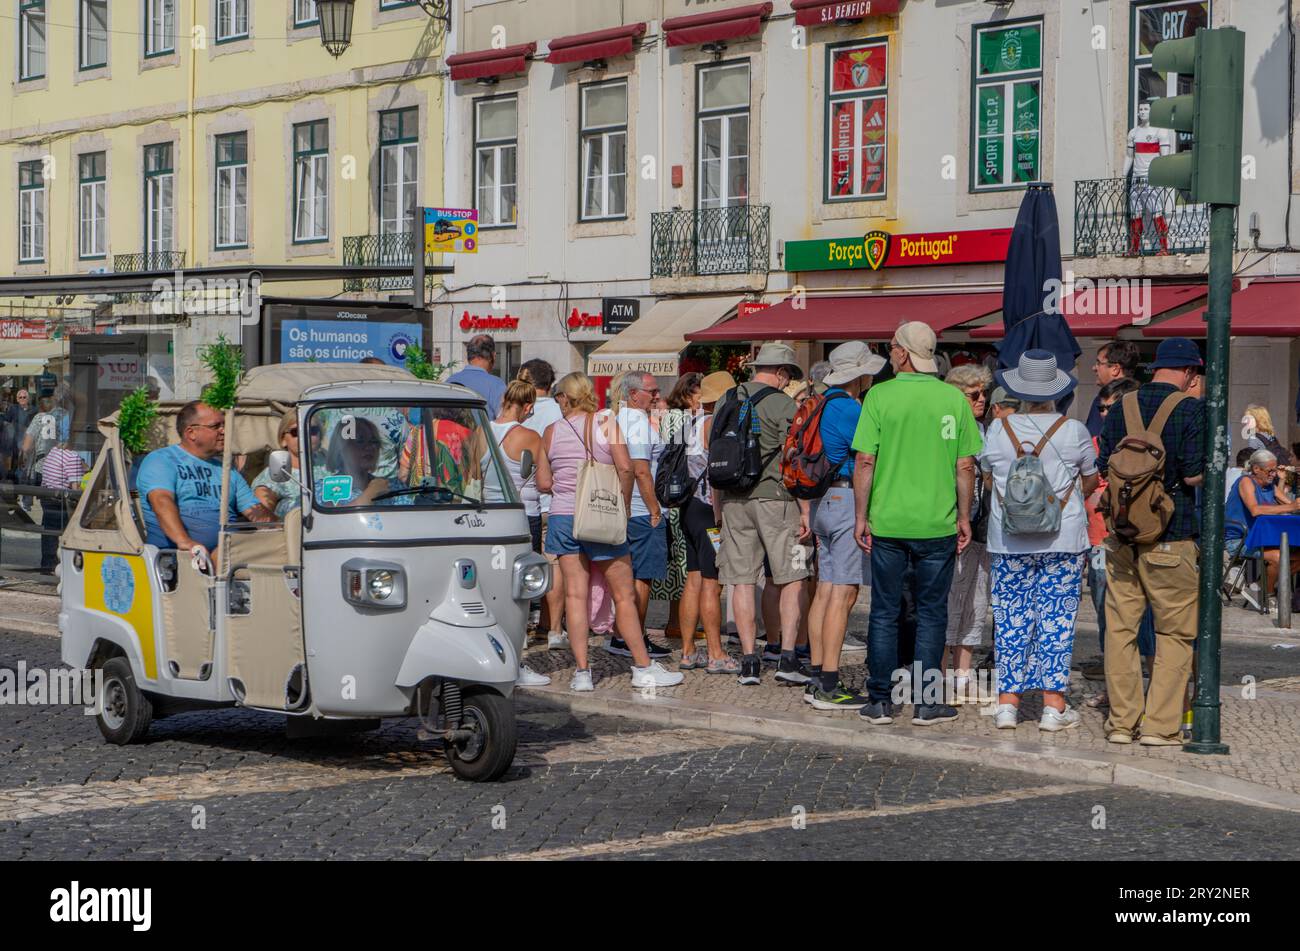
[(61, 468), (567, 456)]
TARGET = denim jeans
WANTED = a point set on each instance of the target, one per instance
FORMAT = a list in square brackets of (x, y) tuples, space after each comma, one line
[(932, 560), (1146, 631)]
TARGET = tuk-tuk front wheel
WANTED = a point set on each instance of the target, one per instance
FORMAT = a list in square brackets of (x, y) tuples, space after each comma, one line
[(489, 749), (124, 712)]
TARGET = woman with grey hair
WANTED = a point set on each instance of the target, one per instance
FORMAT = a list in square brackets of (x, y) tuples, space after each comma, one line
[(1259, 491), (968, 598)]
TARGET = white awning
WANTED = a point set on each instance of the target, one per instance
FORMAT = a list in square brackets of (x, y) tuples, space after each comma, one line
[(654, 342), (31, 351)]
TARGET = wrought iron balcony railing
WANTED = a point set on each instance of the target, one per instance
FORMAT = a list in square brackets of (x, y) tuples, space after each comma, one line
[(145, 261), (731, 240), (1125, 216), (364, 250)]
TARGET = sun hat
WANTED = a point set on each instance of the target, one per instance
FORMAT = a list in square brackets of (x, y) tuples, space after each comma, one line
[(918, 340), (1037, 379), (852, 360), (713, 386), (1177, 353), (778, 355)]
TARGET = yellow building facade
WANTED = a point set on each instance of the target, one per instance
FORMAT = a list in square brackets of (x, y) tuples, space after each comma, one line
[(144, 135)]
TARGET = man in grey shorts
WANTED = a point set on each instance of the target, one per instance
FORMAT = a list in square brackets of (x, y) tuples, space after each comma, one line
[(842, 566)]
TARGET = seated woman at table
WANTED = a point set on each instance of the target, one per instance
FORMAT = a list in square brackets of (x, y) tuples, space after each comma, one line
[(1259, 492)]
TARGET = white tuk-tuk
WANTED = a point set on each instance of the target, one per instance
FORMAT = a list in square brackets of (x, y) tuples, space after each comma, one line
[(394, 582)]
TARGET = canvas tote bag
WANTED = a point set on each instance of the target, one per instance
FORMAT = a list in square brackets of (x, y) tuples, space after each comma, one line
[(599, 512)]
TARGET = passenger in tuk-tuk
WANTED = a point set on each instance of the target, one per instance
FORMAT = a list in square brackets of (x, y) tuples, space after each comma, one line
[(283, 497), (352, 458), (180, 486), (440, 460)]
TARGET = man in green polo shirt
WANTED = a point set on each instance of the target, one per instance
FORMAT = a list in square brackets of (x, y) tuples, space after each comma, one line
[(915, 476)]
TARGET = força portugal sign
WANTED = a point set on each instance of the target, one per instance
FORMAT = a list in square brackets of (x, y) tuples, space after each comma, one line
[(878, 249)]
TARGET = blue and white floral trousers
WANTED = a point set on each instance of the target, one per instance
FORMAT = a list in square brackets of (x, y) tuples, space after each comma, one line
[(1035, 603)]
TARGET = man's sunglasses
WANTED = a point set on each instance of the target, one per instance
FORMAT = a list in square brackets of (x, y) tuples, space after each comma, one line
[(214, 426)]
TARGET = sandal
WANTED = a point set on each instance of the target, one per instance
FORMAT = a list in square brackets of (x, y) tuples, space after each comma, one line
[(725, 665), (1101, 700), (697, 660)]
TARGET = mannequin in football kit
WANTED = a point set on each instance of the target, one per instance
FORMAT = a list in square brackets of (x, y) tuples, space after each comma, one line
[(1144, 144)]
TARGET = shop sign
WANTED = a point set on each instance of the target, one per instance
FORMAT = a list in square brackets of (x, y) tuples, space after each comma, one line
[(879, 249), (475, 322), (581, 320), (747, 307), (619, 313), (826, 14), (656, 364), (451, 230), (121, 371), (24, 330)]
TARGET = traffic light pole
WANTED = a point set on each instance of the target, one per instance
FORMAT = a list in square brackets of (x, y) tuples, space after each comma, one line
[(1206, 706)]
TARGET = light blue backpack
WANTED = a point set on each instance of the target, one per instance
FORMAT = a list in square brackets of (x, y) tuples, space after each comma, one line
[(1031, 506)]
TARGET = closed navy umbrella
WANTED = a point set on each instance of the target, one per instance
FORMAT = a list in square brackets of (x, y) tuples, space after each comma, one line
[(1033, 260)]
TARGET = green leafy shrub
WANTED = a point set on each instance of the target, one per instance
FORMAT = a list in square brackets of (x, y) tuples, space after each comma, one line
[(134, 417), (225, 362)]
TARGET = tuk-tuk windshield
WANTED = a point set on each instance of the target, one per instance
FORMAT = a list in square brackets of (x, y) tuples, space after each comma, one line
[(426, 455)]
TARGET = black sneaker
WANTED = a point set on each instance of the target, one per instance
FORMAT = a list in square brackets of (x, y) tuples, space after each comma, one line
[(878, 712), (618, 647), (838, 699), (809, 689), (771, 652), (792, 672), (931, 713), (656, 651), (750, 671)]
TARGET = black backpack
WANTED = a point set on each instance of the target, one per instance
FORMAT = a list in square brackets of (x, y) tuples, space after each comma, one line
[(674, 484), (735, 462)]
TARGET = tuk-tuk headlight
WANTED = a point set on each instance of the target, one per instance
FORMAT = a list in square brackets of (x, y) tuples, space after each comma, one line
[(532, 576), (380, 584), (370, 584)]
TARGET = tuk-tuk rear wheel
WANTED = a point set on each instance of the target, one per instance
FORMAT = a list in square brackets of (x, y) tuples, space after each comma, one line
[(124, 711), (490, 749)]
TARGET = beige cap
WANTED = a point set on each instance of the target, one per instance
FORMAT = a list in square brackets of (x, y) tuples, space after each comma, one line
[(918, 340)]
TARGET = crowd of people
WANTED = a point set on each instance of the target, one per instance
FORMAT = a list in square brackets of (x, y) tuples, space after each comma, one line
[(951, 499)]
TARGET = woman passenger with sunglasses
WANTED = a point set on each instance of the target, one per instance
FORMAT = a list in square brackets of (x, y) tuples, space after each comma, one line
[(281, 497)]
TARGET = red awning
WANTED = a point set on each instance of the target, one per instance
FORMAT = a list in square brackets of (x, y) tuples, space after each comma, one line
[(873, 317), (716, 25), (1264, 309), (487, 63), (602, 44), (1110, 310), (827, 12)]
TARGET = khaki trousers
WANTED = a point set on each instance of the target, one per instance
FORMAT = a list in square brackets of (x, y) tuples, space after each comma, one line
[(1166, 576)]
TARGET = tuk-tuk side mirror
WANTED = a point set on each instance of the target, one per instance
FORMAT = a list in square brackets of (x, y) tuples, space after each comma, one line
[(526, 464), (279, 467)]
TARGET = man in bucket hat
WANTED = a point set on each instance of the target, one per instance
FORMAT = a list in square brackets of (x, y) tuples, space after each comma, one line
[(913, 482), (1164, 574), (766, 520)]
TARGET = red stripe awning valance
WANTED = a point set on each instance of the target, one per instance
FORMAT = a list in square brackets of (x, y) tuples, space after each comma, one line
[(601, 44), (1105, 310), (826, 12), (716, 25), (866, 317), (487, 63)]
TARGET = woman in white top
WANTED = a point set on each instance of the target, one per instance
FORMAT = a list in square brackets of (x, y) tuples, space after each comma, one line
[(515, 438), (1038, 577)]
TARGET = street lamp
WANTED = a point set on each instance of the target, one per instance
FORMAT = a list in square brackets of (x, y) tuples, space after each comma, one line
[(335, 24)]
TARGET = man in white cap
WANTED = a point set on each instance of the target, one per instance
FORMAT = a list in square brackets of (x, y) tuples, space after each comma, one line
[(913, 483), (766, 520), (842, 567)]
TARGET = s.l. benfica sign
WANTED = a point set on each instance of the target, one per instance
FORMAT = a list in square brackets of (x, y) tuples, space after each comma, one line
[(878, 249), (823, 13)]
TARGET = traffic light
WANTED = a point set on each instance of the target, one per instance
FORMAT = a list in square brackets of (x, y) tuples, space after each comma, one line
[(1211, 169)]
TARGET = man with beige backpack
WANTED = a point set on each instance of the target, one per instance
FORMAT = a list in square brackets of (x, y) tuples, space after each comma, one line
[(1153, 456)]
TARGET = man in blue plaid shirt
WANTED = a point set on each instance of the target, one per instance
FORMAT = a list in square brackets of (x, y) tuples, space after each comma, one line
[(1164, 574)]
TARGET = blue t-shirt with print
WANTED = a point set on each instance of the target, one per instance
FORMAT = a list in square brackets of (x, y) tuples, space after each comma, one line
[(196, 484), (839, 423)]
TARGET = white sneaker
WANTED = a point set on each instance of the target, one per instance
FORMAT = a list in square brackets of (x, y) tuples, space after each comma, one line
[(581, 681), (1054, 720), (531, 678), (557, 641), (655, 676), (1005, 716)]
